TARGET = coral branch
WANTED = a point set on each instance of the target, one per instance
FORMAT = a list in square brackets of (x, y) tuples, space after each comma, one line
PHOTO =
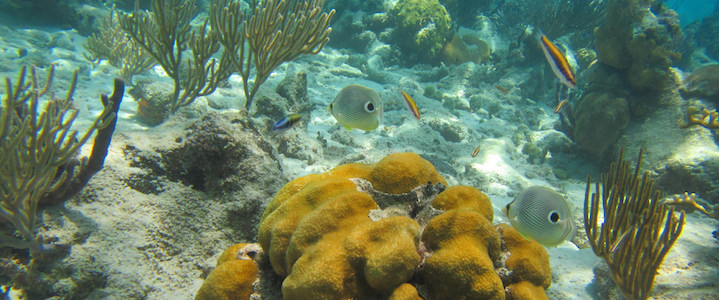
[(34, 146), (704, 117), (94, 164), (276, 31), (637, 229)]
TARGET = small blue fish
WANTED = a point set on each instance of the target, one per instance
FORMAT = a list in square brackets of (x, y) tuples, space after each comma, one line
[(287, 122)]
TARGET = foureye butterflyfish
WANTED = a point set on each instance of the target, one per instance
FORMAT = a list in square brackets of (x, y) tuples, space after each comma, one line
[(357, 106), (542, 214)]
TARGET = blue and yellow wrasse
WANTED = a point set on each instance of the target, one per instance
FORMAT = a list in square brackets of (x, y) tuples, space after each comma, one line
[(411, 106), (557, 60), (287, 122)]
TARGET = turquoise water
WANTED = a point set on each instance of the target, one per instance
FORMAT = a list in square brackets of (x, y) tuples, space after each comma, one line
[(690, 11), (205, 149)]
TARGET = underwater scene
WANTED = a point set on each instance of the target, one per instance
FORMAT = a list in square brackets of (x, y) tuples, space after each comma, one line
[(348, 149)]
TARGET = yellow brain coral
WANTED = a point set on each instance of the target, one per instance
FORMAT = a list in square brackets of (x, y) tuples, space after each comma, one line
[(234, 275), (317, 231), (319, 236), (471, 259)]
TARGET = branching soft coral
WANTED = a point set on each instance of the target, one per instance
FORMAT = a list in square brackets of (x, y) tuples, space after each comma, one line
[(704, 117)]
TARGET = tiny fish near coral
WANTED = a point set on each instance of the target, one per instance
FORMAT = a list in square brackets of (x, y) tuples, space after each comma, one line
[(287, 122), (411, 105)]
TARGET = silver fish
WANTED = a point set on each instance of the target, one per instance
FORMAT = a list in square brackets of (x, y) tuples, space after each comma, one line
[(542, 214), (357, 106)]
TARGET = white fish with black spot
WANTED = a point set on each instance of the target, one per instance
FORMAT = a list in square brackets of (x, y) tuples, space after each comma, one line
[(357, 106), (542, 214)]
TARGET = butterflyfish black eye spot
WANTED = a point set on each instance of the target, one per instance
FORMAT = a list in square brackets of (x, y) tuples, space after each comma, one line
[(369, 107), (554, 217)]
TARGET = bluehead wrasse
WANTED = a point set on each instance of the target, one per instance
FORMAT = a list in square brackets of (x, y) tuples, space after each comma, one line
[(411, 106), (287, 122), (560, 105), (476, 151), (557, 60), (502, 89)]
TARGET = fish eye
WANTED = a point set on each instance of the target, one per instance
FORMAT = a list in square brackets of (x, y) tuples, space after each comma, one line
[(369, 107), (554, 216)]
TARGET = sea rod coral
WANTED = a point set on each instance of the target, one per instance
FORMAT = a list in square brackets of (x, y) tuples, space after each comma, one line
[(637, 229), (38, 149)]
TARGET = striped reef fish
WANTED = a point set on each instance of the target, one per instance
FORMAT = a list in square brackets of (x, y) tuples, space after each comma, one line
[(411, 106), (286, 122), (542, 214), (357, 106), (560, 105), (476, 151), (557, 60)]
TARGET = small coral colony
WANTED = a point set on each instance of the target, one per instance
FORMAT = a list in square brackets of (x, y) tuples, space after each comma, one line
[(395, 229)]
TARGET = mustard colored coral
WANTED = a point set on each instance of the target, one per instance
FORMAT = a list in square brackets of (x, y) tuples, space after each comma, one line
[(528, 260), (318, 234), (234, 275), (464, 247), (471, 259), (466, 197), (320, 238), (405, 291), (401, 172)]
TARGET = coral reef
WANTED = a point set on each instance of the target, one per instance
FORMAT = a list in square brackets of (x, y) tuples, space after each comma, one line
[(706, 118), (706, 34), (317, 233), (701, 177), (354, 232), (639, 39), (166, 35), (272, 33), (703, 83), (234, 275), (600, 119), (465, 11), (635, 48), (464, 246), (457, 50), (555, 18), (38, 149), (110, 43), (637, 230), (422, 29), (689, 203), (222, 155), (470, 259)]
